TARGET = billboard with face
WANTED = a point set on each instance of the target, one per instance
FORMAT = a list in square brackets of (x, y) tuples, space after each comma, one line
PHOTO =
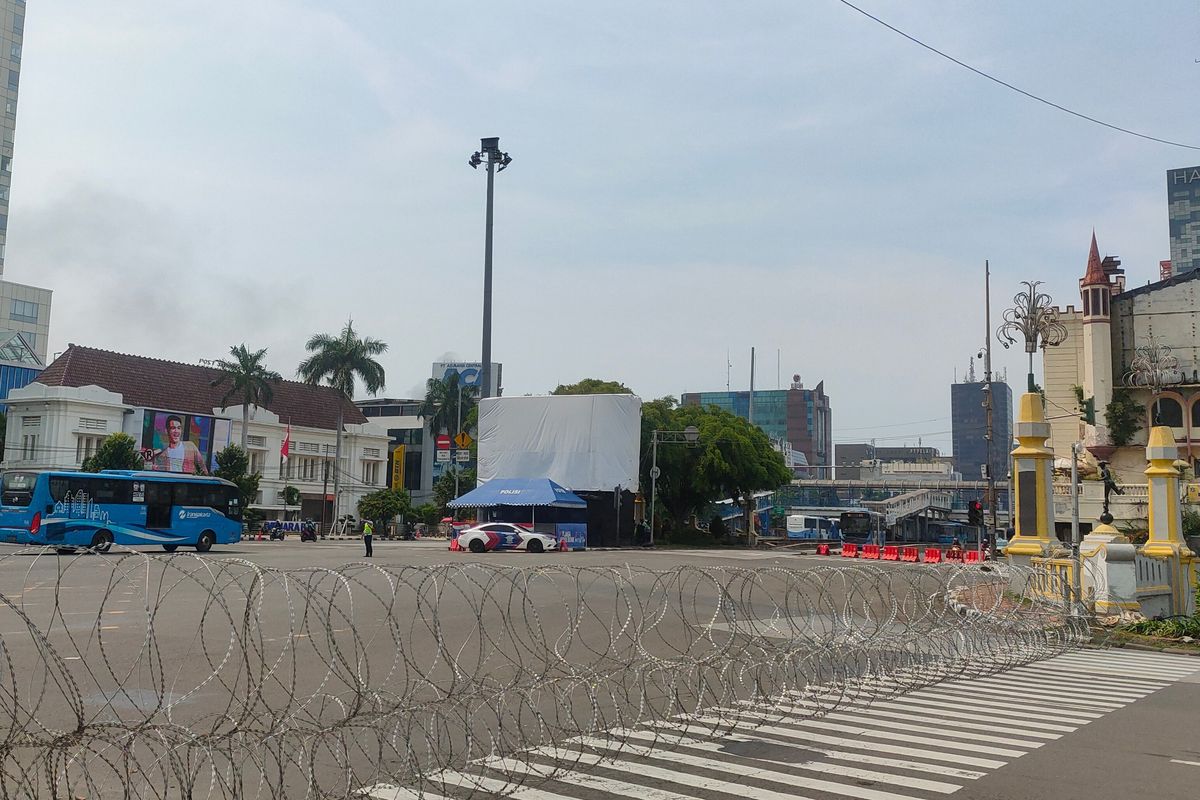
[(177, 442)]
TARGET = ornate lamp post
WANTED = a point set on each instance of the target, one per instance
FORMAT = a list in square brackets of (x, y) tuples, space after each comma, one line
[(1154, 367), (1033, 319)]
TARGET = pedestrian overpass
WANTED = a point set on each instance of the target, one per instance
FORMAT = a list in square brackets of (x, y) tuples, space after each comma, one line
[(912, 510)]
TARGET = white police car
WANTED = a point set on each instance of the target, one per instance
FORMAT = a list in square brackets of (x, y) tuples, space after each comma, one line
[(504, 536)]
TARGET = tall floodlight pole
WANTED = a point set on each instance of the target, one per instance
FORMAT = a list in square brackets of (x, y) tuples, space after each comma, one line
[(489, 153)]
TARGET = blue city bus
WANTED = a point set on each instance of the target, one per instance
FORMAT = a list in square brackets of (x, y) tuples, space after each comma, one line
[(69, 510), (860, 526)]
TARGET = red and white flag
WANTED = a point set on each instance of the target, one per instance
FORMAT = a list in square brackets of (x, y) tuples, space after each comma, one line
[(286, 447)]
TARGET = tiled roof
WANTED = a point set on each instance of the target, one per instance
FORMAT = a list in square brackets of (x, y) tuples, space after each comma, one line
[(172, 386)]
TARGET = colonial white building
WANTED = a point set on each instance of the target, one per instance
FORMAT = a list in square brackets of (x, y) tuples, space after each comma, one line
[(87, 394), (1103, 333)]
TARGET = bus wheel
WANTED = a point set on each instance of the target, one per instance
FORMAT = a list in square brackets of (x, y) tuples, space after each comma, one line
[(170, 548), (205, 542), (102, 541)]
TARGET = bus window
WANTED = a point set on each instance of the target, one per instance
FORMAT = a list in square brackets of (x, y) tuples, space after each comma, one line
[(111, 490), (17, 488), (60, 487)]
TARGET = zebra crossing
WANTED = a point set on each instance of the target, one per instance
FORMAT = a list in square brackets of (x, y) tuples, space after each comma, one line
[(925, 744)]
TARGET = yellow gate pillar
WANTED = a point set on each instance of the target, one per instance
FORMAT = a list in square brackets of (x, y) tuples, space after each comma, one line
[(1033, 486), (1166, 520)]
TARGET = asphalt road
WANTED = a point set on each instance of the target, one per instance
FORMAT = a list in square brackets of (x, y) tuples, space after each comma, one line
[(188, 645), (325, 621)]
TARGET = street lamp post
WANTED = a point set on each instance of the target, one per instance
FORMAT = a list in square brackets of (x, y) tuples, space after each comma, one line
[(690, 435), (489, 153)]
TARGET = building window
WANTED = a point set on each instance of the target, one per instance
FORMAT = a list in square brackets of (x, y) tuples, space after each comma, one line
[(86, 447), (15, 52), (4, 197), (10, 107), (92, 424), (23, 311), (31, 422), (29, 446), (1170, 413), (370, 473), (256, 463), (14, 79), (1196, 419), (256, 441), (30, 339), (18, 25), (370, 452)]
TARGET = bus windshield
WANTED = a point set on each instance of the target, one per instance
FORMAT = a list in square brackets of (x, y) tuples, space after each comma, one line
[(856, 523), (17, 488)]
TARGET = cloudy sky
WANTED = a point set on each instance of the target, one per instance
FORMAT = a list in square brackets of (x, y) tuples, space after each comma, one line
[(688, 179)]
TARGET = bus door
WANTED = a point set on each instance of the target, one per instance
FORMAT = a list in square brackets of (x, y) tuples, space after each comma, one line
[(158, 505)]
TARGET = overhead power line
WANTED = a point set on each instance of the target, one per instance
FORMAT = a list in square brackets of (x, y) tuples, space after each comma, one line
[(1016, 89)]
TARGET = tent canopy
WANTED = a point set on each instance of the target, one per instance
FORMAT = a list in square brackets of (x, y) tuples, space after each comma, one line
[(519, 492)]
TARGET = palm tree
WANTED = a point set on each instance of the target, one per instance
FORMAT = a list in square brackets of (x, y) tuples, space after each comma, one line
[(441, 405), (340, 361), (248, 380)]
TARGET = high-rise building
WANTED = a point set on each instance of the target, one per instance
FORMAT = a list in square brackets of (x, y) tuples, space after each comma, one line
[(24, 309), (797, 419), (1183, 209), (968, 422), (12, 35)]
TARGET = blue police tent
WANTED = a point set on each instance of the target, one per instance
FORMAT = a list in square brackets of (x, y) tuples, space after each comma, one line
[(531, 493)]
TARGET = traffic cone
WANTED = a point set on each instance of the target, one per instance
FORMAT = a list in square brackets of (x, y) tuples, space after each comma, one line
[(454, 545)]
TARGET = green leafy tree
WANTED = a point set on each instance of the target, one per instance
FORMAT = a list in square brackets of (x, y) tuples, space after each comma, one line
[(1123, 416), (440, 408), (233, 464), (248, 380), (428, 513), (117, 451), (593, 386), (340, 361), (384, 505), (443, 487), (291, 496), (731, 458)]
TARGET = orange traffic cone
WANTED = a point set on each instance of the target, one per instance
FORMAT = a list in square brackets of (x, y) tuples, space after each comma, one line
[(454, 545)]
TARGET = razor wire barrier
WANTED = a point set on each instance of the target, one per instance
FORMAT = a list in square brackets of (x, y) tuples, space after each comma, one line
[(130, 675)]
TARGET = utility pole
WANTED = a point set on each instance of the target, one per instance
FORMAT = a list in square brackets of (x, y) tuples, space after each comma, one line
[(750, 412), (458, 431), (988, 401)]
